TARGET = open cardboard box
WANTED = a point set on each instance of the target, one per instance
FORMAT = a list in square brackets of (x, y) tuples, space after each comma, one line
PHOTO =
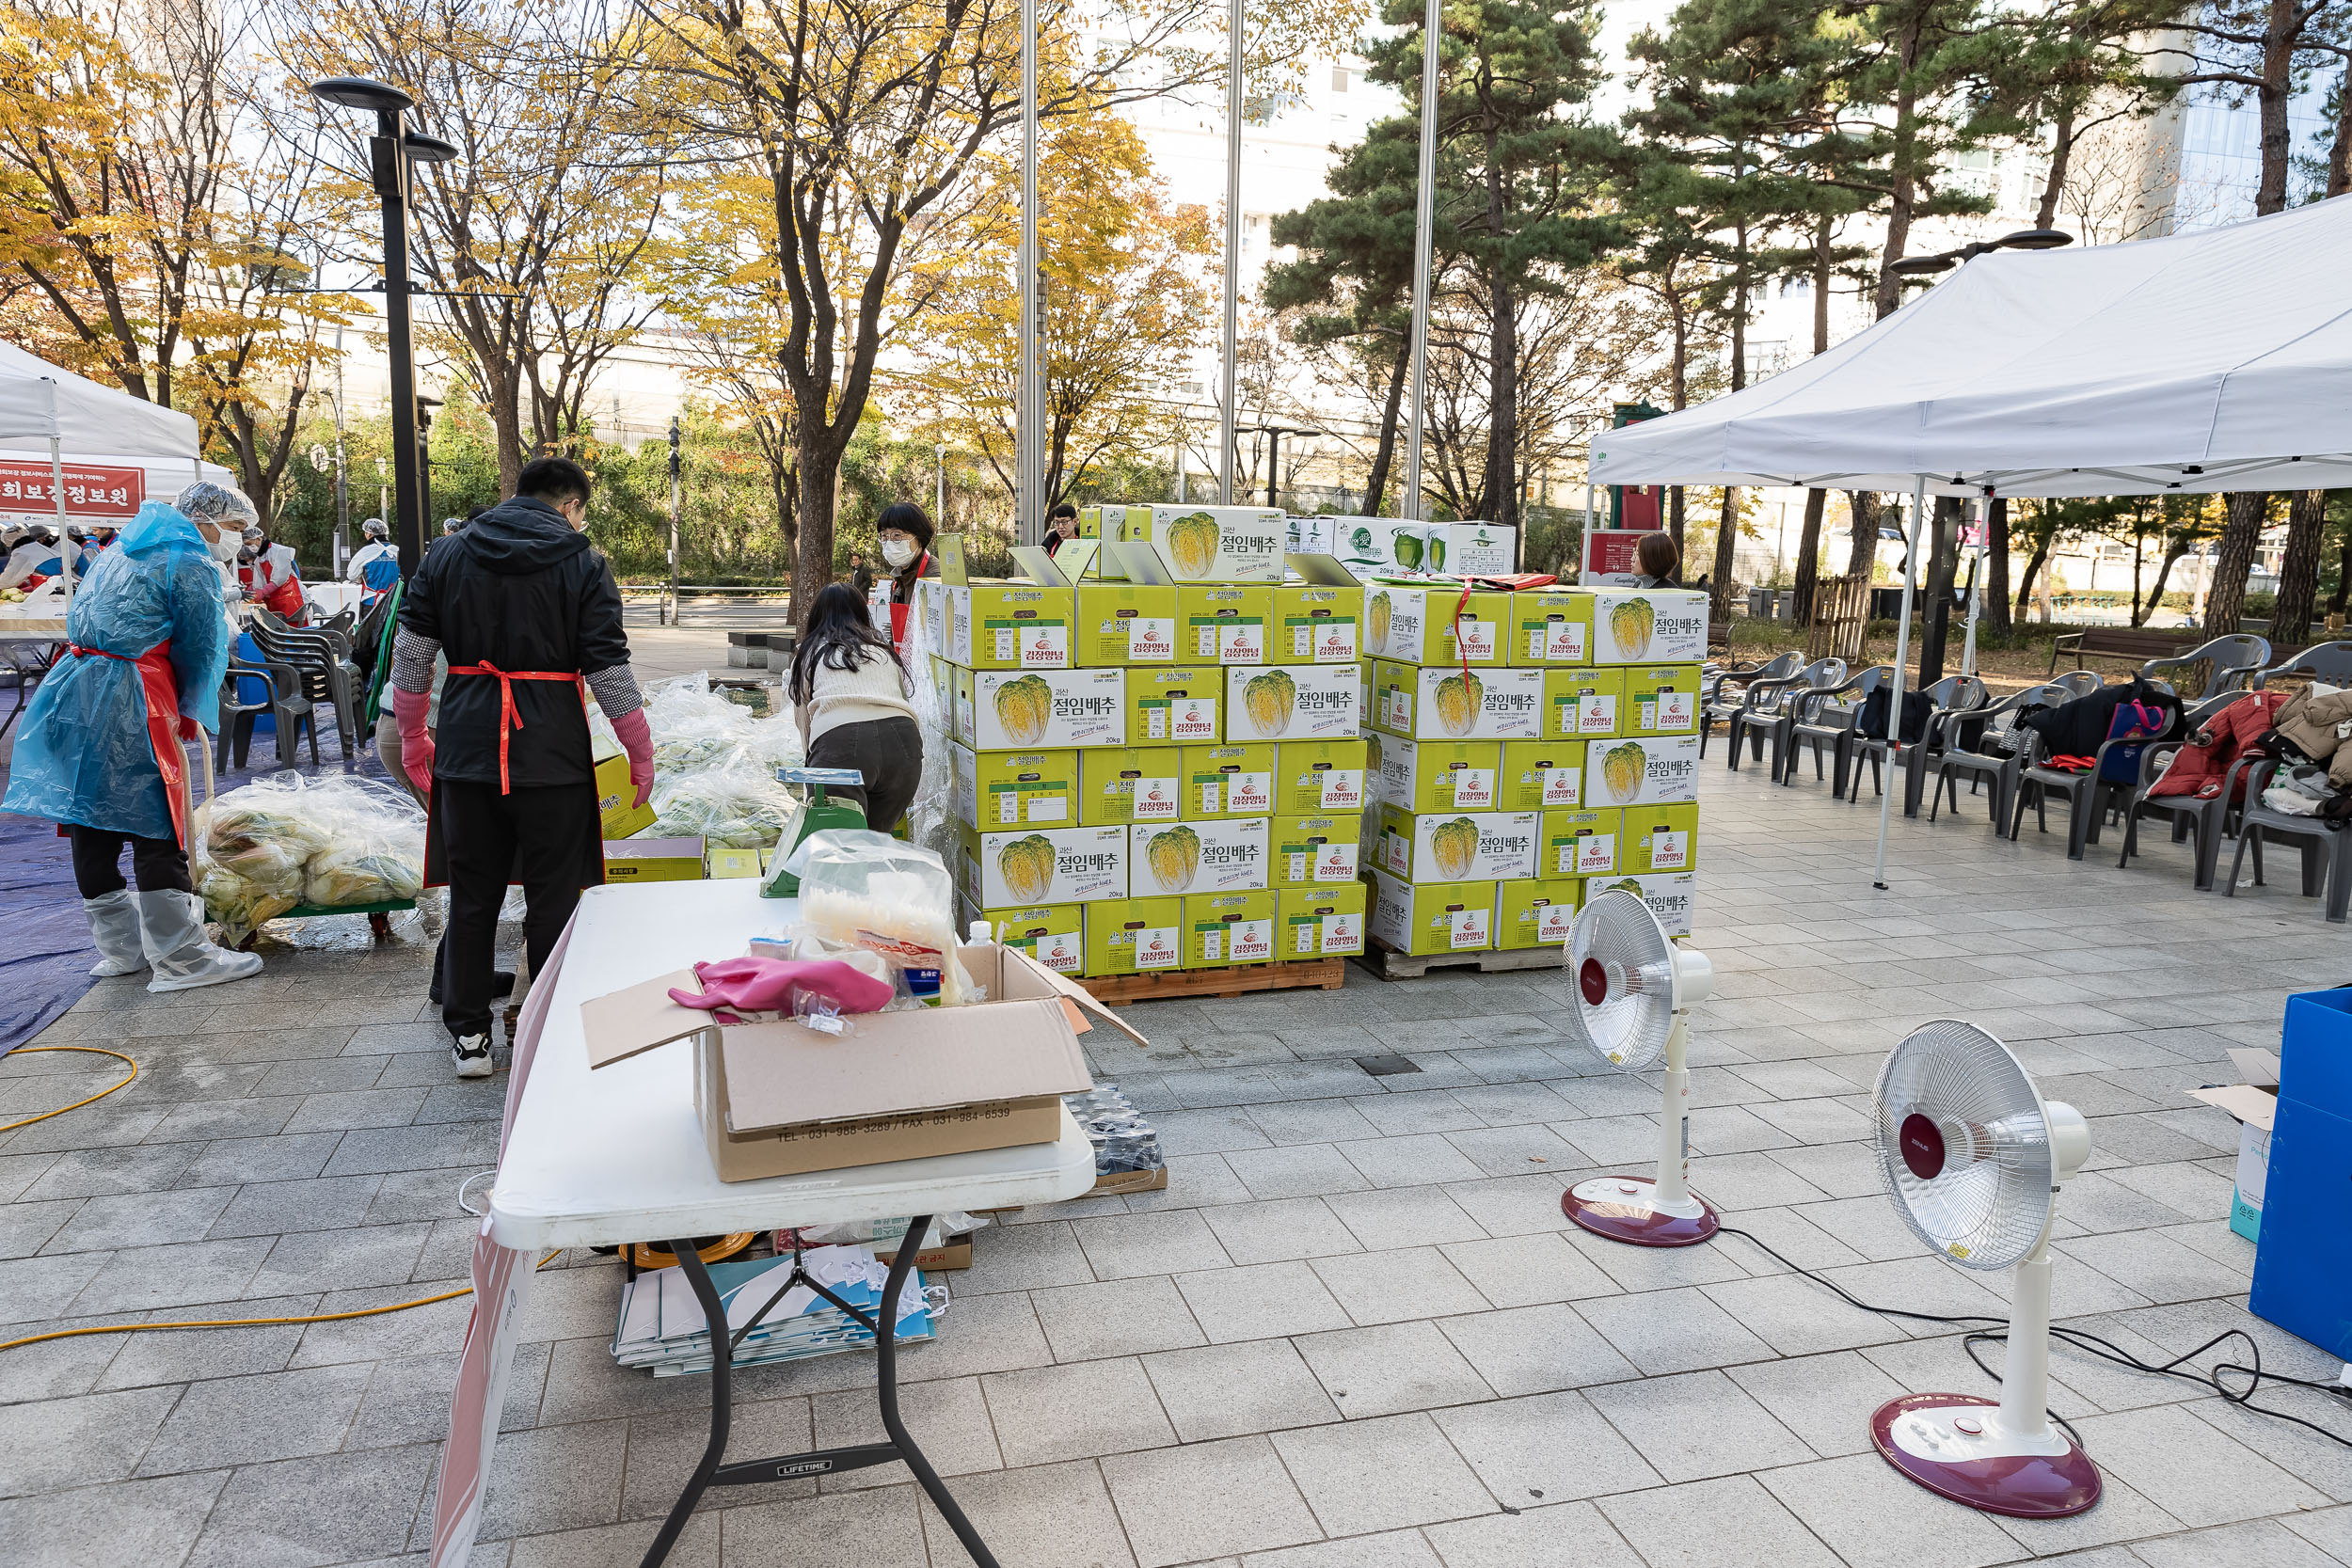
[(2255, 1104), (779, 1099)]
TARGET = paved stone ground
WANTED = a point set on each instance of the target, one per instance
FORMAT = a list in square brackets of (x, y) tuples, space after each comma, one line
[(1353, 1334)]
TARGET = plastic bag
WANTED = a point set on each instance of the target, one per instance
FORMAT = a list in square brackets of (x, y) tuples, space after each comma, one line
[(1123, 1141), (694, 727), (285, 840), (862, 889), (930, 816), (730, 801)]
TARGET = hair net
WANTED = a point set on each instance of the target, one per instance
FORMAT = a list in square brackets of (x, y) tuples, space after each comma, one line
[(224, 506), (374, 528)]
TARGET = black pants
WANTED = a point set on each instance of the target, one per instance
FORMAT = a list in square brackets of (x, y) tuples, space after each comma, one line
[(97, 862), (549, 840), (889, 752)]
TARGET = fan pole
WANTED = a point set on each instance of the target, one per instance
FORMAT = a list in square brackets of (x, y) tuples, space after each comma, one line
[(1674, 1141), (2025, 1371)]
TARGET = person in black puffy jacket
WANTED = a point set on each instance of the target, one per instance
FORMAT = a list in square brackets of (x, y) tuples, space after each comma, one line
[(528, 617)]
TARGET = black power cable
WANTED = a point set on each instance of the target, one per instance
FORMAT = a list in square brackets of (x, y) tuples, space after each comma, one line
[(2082, 1340)]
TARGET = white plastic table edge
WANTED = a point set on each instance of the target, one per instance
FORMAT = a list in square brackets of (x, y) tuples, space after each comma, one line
[(618, 1155)]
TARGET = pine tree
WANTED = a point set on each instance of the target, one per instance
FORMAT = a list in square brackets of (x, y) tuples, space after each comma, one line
[(1524, 207)]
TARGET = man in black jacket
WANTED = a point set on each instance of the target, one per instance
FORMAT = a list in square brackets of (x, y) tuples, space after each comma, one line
[(530, 618)]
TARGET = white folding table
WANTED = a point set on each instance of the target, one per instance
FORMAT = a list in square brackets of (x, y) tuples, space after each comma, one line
[(617, 1155)]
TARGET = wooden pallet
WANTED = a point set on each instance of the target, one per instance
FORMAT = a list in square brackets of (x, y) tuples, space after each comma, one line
[(1235, 981), (1389, 964)]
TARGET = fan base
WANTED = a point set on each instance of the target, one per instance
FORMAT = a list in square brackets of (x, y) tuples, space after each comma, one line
[(2021, 1485), (1622, 1209)]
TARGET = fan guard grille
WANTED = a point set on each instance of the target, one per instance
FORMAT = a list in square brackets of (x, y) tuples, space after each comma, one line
[(1623, 969), (1965, 1145)]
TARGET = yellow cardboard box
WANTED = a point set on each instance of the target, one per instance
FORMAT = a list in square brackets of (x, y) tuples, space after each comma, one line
[(616, 799), (1223, 622), (1229, 780), (1309, 849), (1541, 775), (1582, 704), (1432, 917), (1223, 929), (1535, 913), (1126, 623), (1313, 777), (1552, 626), (1580, 844), (1316, 624), (1130, 783), (1135, 936), (1009, 626), (1175, 707), (1320, 921), (653, 860)]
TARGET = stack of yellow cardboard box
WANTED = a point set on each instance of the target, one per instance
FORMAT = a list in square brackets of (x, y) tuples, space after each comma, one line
[(1529, 747), (1156, 749)]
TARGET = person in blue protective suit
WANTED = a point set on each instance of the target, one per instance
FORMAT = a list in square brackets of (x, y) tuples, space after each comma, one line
[(99, 748)]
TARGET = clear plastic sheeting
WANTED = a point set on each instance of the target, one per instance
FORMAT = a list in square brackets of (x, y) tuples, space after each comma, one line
[(715, 766), (869, 891), (930, 819), (288, 840)]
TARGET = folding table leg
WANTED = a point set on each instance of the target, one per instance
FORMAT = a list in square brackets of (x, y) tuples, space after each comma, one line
[(722, 1399)]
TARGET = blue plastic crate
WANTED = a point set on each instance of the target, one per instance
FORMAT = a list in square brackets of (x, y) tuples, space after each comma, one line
[(2303, 1257)]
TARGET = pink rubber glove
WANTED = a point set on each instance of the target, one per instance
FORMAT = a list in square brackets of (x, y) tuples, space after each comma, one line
[(771, 986), (416, 742), (637, 740)]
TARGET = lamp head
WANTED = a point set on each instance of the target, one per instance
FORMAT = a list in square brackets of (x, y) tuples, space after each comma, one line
[(427, 150), (2036, 239), (362, 92), (1921, 266)]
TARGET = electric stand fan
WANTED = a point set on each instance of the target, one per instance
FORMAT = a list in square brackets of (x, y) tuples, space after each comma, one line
[(1974, 1157), (1633, 986)]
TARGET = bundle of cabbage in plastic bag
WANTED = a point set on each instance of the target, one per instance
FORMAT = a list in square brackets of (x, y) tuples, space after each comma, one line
[(332, 842), (732, 801), (694, 727)]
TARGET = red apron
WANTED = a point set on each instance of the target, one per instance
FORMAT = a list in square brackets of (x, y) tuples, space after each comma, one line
[(509, 720), (898, 608), (161, 687)]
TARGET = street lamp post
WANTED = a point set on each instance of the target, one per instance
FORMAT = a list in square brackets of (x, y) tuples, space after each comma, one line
[(1944, 540), (390, 150)]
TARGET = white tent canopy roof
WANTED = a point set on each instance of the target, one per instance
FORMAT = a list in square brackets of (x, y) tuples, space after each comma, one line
[(2216, 360), (94, 426), (38, 402)]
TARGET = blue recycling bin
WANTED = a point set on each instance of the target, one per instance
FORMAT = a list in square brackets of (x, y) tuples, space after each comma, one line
[(253, 688), (2303, 1261)]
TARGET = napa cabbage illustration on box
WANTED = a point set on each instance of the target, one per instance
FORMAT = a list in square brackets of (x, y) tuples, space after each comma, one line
[(1026, 708), (1622, 769), (1028, 867), (1192, 541), (1631, 622), (1173, 856), (1377, 610), (1269, 700), (1459, 699), (1455, 845)]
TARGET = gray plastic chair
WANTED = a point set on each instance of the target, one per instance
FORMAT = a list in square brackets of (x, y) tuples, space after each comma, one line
[(2236, 659), (1825, 717), (2325, 662), (2327, 846), (283, 699), (1998, 755), (2207, 818), (1764, 713), (2088, 795), (2080, 683), (1727, 693), (1952, 691)]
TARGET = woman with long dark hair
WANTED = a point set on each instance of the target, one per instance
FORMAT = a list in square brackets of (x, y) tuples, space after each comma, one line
[(853, 698)]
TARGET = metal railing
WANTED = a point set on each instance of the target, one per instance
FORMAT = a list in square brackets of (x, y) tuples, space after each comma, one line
[(766, 607)]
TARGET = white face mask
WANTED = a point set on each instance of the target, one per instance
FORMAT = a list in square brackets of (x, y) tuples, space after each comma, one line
[(897, 551), (224, 547)]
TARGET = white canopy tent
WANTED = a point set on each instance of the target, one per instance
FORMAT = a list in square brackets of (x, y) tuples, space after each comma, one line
[(97, 445), (2216, 360)]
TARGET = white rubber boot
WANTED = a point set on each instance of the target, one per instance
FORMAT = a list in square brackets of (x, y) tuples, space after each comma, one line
[(114, 926), (184, 957)]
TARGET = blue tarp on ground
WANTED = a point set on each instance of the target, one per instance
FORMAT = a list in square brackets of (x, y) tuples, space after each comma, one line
[(46, 954), (45, 949)]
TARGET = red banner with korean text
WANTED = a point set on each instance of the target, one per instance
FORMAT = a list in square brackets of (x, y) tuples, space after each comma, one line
[(91, 489)]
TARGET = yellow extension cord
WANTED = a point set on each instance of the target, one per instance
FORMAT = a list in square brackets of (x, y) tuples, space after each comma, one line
[(222, 1323)]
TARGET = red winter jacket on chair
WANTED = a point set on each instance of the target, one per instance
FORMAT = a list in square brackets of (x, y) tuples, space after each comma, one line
[(2198, 769)]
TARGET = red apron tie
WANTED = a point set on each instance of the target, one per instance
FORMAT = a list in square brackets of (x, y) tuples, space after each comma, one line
[(508, 718)]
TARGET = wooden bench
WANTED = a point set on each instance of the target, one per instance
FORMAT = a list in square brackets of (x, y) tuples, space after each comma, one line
[(2136, 644)]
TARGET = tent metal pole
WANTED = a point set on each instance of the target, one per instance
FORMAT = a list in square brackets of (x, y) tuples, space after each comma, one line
[(1894, 702), (1029, 454), (1229, 435), (1424, 220), (57, 492), (1976, 581)]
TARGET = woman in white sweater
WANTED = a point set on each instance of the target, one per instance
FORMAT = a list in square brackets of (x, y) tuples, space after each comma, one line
[(855, 702)]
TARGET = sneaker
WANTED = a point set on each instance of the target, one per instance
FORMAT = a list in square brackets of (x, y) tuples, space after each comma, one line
[(471, 1054)]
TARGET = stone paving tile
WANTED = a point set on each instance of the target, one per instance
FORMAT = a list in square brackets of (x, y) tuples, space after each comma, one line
[(1354, 1331)]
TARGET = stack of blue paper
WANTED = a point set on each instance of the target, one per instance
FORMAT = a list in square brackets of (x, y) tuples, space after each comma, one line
[(661, 1323)]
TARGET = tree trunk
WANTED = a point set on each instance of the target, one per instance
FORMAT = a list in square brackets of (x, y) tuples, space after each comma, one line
[(1863, 553), (1996, 617), (2034, 563), (819, 465), (1808, 556), (2061, 153), (1900, 186), (1502, 437), (1727, 535), (2342, 597), (2298, 570), (2340, 149), (1674, 516), (2280, 36), (1377, 485), (2172, 553), (2225, 601)]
